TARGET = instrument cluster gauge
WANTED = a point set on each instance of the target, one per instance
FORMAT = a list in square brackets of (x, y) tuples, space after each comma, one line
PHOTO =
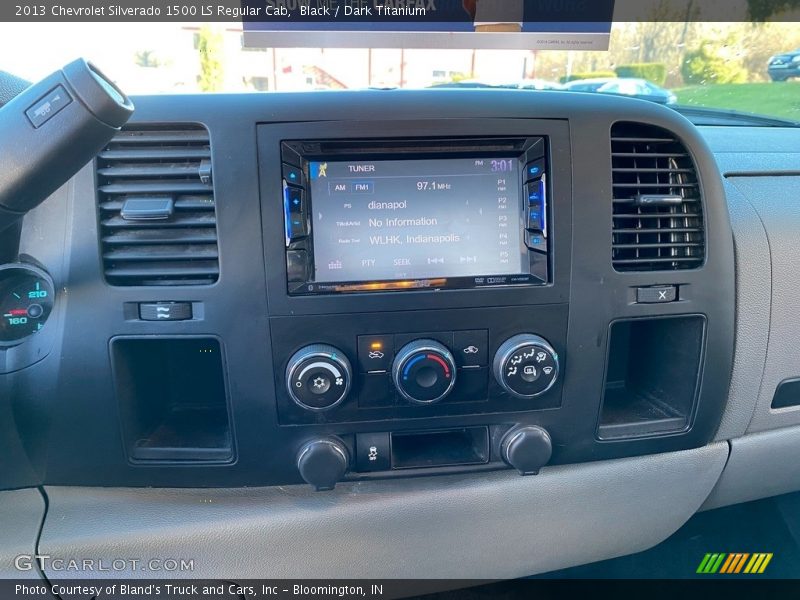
[(26, 300)]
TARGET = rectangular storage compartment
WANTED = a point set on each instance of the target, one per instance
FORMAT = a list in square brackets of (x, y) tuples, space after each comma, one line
[(451, 447), (172, 397), (652, 374)]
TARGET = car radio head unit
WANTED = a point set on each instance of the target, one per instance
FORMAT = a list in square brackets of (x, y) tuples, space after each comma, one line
[(384, 215)]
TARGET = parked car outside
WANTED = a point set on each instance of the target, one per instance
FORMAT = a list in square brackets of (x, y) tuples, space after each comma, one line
[(539, 84), (587, 85), (624, 86), (784, 66)]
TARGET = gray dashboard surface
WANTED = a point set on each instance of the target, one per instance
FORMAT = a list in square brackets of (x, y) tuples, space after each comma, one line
[(757, 150), (21, 514), (775, 200), (761, 465), (494, 525), (753, 282), (762, 170)]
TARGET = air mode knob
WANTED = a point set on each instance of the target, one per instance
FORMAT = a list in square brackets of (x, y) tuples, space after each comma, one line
[(424, 371), (318, 377), (323, 462), (526, 365), (527, 449)]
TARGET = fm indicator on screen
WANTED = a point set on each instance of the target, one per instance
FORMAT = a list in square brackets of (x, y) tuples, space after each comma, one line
[(416, 219)]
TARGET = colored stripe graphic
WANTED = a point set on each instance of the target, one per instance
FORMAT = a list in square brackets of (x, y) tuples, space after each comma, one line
[(741, 562), (711, 562), (756, 558), (729, 562), (703, 563), (765, 563), (758, 563), (734, 563)]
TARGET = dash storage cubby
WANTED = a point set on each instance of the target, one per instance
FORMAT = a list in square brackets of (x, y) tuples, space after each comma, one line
[(172, 398), (652, 374)]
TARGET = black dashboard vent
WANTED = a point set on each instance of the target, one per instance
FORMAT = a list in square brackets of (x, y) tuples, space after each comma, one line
[(156, 207), (658, 208)]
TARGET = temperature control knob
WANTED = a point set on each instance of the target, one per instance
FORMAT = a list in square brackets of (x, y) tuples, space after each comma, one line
[(424, 371), (526, 365), (318, 377)]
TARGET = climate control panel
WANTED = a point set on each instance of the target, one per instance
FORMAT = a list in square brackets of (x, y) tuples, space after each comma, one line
[(359, 371)]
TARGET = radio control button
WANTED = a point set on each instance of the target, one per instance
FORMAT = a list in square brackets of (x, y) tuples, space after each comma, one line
[(471, 348), (535, 218), (534, 169), (375, 353), (318, 377), (296, 214), (293, 175), (535, 240), (297, 226), (296, 266), (295, 201), (526, 366), (534, 192), (424, 371)]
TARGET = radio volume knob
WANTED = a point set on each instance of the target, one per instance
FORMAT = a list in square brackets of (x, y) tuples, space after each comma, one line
[(526, 366), (424, 371), (527, 449), (323, 462), (318, 377)]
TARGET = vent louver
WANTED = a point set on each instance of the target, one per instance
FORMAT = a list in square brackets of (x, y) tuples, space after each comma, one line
[(156, 207), (658, 208)]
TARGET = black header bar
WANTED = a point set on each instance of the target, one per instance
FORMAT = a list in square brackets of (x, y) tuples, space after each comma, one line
[(404, 13)]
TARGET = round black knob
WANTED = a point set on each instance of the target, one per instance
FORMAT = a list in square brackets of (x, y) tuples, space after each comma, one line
[(322, 463), (424, 371), (527, 449), (318, 377), (526, 365)]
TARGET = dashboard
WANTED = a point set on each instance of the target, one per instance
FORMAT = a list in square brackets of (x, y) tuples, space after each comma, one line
[(409, 298)]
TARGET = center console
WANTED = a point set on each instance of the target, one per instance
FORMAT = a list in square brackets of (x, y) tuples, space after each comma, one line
[(424, 298)]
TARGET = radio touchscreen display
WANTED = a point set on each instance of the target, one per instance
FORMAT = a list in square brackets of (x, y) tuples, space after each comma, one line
[(416, 219)]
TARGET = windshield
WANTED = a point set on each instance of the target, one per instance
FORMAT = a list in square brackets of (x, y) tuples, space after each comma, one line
[(747, 67)]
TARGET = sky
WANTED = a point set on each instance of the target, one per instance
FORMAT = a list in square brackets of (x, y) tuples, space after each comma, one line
[(34, 50)]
